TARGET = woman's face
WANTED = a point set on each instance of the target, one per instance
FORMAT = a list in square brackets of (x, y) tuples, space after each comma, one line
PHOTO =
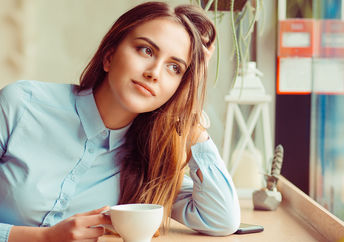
[(147, 66)]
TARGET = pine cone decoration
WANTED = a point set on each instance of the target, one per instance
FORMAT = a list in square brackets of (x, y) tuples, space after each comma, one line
[(275, 167)]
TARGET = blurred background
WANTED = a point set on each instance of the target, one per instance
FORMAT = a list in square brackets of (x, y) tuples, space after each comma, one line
[(297, 45)]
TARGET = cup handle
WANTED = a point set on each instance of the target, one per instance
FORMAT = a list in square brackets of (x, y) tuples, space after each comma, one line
[(110, 228), (106, 212)]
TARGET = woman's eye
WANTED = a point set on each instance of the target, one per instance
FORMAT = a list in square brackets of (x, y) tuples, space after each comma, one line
[(146, 50), (175, 68)]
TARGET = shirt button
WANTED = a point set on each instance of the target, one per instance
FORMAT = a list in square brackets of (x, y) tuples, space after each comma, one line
[(90, 147), (104, 133), (72, 177), (58, 215), (63, 201)]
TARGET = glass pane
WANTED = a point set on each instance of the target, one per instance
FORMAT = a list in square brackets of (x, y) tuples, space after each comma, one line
[(327, 122)]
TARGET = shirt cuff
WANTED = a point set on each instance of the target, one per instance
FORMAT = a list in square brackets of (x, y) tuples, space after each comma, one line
[(5, 231), (204, 154)]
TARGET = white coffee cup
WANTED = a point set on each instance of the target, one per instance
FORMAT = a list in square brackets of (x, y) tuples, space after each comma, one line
[(136, 222)]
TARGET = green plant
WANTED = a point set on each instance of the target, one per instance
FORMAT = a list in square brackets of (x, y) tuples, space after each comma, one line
[(242, 33), (206, 6), (243, 16)]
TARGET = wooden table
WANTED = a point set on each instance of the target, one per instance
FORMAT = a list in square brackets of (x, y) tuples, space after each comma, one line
[(284, 224)]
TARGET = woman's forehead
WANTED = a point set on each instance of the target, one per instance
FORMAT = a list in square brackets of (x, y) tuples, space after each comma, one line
[(167, 33)]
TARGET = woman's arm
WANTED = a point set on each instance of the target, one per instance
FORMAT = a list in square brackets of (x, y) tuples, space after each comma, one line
[(75, 228), (207, 201), (25, 233)]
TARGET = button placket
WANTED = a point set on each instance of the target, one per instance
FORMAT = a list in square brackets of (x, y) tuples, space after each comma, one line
[(90, 149), (62, 201), (73, 177), (69, 184), (90, 146)]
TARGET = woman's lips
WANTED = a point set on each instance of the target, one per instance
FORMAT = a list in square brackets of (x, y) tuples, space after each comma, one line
[(144, 88)]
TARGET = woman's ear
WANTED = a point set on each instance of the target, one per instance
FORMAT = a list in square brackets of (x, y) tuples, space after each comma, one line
[(107, 60)]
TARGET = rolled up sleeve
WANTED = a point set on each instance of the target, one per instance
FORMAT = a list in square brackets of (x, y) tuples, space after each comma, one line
[(211, 206)]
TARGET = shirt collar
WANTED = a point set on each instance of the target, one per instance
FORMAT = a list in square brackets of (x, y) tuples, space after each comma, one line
[(92, 122), (117, 137)]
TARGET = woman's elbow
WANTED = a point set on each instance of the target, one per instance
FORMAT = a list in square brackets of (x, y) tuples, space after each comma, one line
[(227, 225), (227, 229)]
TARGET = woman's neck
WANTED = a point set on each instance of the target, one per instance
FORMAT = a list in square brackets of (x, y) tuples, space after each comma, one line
[(112, 114)]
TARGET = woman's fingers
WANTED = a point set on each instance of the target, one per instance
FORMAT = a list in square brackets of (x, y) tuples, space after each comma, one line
[(92, 220), (95, 211), (84, 226), (80, 227), (208, 52), (93, 232)]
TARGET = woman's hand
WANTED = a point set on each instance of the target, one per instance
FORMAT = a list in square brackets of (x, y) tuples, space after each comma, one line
[(80, 227), (199, 132), (197, 135), (208, 52)]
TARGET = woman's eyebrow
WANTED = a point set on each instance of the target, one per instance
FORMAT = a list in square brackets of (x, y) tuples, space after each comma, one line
[(158, 49), (181, 61), (150, 42)]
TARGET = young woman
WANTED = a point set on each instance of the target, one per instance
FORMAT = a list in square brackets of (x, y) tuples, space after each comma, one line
[(124, 135)]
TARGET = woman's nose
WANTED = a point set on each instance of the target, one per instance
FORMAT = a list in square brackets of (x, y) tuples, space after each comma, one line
[(152, 72), (149, 75)]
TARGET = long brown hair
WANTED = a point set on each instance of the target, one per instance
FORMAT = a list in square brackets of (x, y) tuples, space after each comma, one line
[(153, 156)]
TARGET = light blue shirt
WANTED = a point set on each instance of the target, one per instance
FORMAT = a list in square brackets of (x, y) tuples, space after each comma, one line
[(57, 159)]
